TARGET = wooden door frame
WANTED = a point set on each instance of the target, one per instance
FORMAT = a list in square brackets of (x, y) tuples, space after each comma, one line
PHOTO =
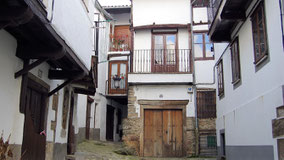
[(41, 87), (88, 115), (153, 68), (117, 91), (163, 105)]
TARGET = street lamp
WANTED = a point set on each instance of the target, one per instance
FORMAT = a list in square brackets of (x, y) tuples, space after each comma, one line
[(116, 80)]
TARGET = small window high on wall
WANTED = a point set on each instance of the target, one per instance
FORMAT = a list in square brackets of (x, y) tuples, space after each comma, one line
[(235, 61), (259, 34), (203, 48), (220, 78)]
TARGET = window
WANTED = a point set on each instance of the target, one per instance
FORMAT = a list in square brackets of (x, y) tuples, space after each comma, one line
[(220, 78), (118, 77), (235, 59), (203, 48), (165, 46), (206, 104), (259, 34), (211, 142)]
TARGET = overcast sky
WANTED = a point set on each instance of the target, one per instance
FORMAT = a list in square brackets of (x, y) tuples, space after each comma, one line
[(114, 2)]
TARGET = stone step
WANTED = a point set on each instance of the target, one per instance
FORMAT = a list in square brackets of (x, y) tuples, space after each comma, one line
[(280, 111), (70, 157)]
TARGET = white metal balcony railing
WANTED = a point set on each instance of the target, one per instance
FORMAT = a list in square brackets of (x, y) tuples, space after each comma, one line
[(162, 61)]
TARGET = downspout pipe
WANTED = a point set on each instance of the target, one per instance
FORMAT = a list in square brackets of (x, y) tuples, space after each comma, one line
[(194, 86)]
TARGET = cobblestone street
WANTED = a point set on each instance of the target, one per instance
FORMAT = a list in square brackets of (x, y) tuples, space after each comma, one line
[(94, 150)]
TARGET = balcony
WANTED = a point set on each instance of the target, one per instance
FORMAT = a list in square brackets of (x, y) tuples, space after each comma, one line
[(224, 15), (120, 43), (161, 66)]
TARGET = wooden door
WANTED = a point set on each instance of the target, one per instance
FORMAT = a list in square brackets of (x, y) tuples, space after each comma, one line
[(33, 146), (163, 135), (172, 133), (118, 69), (71, 142), (109, 123), (164, 53), (88, 119), (153, 136)]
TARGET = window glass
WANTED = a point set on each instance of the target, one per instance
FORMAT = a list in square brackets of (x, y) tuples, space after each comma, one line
[(259, 33), (209, 52), (113, 74), (159, 42), (122, 75), (198, 38)]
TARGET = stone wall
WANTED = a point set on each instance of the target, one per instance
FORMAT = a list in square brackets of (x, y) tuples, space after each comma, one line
[(207, 124), (190, 136), (206, 127), (132, 125)]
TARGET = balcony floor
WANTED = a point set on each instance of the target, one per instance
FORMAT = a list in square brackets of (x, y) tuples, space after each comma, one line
[(160, 78)]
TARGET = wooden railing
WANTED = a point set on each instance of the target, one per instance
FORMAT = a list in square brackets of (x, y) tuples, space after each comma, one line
[(162, 61)]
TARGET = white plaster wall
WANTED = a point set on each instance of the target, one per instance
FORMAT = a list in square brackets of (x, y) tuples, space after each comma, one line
[(147, 12), (101, 115), (200, 15), (72, 22), (249, 108), (142, 39), (12, 121), (81, 110), (121, 19), (159, 78), (165, 92), (204, 73)]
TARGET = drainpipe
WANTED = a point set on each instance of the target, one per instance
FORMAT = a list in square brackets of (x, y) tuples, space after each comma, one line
[(194, 86)]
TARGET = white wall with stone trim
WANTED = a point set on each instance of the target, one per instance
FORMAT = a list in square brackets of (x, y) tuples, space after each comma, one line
[(164, 92)]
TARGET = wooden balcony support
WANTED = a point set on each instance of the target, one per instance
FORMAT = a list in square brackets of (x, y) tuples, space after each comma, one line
[(89, 91), (35, 52), (14, 16), (29, 67), (62, 74)]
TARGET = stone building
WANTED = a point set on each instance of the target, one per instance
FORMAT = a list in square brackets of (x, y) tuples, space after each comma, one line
[(171, 92)]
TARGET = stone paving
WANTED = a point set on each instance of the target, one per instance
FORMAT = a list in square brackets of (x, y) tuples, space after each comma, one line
[(94, 150)]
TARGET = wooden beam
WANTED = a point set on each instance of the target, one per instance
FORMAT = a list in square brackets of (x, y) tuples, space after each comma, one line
[(24, 90), (160, 26), (29, 67), (15, 15), (35, 52), (69, 81), (84, 91), (60, 87), (41, 14), (62, 74), (84, 83)]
